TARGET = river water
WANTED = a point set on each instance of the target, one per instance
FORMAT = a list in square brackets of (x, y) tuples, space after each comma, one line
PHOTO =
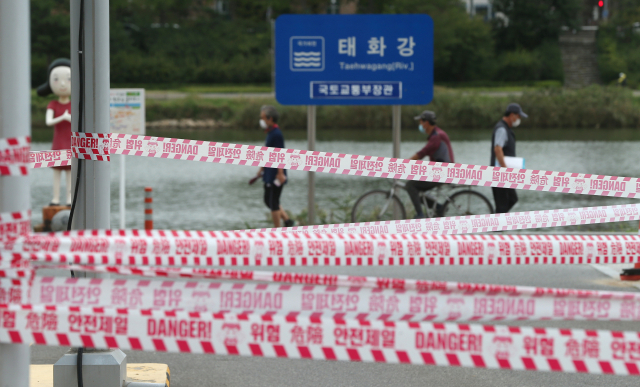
[(206, 196)]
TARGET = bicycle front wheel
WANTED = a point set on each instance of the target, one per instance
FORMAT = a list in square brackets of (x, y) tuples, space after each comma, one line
[(377, 205), (468, 202)]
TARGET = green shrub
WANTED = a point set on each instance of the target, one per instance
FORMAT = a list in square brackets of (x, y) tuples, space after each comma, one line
[(592, 107), (518, 65), (193, 108), (610, 63)]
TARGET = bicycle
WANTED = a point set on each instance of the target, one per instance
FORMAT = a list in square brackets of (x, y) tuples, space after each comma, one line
[(380, 205)]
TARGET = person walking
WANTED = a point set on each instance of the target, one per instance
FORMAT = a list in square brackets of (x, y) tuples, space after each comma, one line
[(274, 179), (503, 143), (438, 149)]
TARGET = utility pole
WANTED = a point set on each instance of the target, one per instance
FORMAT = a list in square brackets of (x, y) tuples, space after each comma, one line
[(15, 121), (92, 210), (94, 194)]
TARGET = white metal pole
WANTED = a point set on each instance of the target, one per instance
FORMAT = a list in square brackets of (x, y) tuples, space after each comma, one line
[(122, 192), (311, 139), (15, 121), (396, 122), (93, 205)]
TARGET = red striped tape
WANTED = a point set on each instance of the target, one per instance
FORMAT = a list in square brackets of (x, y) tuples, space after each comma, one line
[(14, 156), (291, 249), (475, 346), (48, 159), (478, 223), (338, 280), (94, 146), (330, 301), (90, 146)]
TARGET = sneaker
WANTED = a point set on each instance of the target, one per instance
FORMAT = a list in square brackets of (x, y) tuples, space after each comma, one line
[(289, 223), (419, 216)]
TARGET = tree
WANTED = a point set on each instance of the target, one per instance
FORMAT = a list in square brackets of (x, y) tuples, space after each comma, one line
[(527, 24), (49, 36), (462, 45)]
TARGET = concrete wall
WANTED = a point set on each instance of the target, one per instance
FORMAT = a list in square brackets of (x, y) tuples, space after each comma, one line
[(579, 57)]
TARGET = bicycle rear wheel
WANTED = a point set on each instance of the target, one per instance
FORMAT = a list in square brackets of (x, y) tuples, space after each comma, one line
[(377, 205), (467, 202)]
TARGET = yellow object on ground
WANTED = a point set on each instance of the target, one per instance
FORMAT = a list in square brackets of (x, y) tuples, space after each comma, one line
[(42, 374)]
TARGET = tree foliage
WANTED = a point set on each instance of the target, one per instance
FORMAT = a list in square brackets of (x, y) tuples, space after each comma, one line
[(184, 41), (49, 35), (527, 24)]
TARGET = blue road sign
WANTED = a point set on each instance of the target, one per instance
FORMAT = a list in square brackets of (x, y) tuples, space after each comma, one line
[(354, 59)]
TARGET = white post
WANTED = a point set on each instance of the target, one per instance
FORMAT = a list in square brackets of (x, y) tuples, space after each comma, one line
[(122, 192), (311, 139), (93, 204), (396, 123), (15, 121)]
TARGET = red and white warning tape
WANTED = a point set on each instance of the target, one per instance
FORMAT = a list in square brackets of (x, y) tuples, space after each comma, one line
[(385, 167), (90, 146), (478, 223), (15, 266), (334, 280), (15, 291), (14, 225), (14, 156), (94, 146), (331, 301), (292, 249), (48, 159), (476, 346)]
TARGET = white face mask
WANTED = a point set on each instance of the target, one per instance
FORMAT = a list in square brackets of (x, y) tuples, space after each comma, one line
[(516, 123), (421, 129), (263, 124)]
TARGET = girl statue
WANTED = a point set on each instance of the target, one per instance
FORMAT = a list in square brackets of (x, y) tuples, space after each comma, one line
[(59, 116)]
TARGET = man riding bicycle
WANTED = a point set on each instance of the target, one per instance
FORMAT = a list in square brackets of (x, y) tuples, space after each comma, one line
[(438, 149)]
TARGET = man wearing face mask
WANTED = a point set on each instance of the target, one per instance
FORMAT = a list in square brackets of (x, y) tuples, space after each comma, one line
[(503, 143), (274, 179), (438, 149)]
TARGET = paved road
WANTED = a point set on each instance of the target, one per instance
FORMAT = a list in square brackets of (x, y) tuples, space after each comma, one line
[(218, 371), (178, 95)]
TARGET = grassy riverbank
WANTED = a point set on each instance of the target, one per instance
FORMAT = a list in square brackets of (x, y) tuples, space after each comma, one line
[(594, 107)]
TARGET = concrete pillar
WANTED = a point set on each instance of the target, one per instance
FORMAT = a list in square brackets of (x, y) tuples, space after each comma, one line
[(15, 121), (90, 114), (94, 195)]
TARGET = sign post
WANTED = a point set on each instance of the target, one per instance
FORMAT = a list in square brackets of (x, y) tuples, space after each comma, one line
[(311, 141), (126, 115), (353, 60)]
